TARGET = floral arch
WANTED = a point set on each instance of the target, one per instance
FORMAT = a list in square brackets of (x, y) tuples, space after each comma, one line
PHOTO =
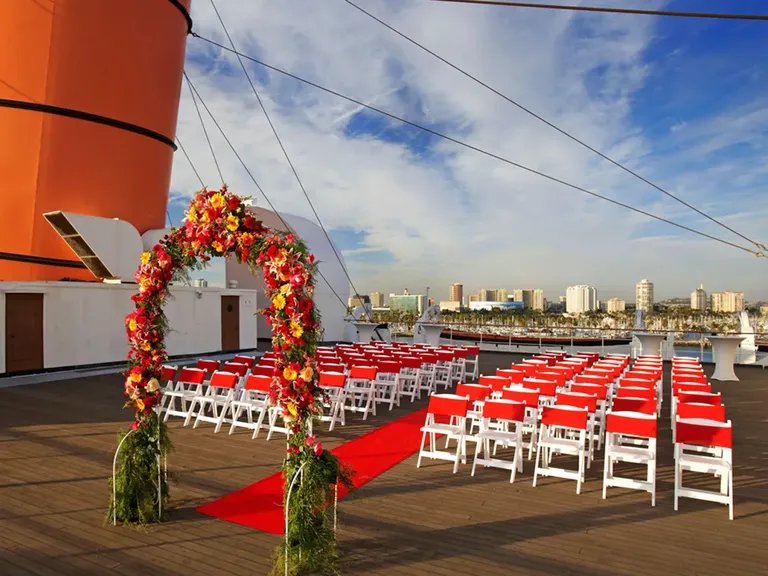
[(218, 223)]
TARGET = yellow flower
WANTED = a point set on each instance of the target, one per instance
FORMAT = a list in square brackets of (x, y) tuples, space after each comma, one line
[(278, 302), (232, 222), (292, 409), (205, 218), (134, 377), (132, 325), (218, 201), (289, 374), (153, 385), (145, 256), (281, 257), (146, 347), (285, 288), (140, 404), (307, 373), (192, 215), (296, 330), (218, 246), (196, 245)]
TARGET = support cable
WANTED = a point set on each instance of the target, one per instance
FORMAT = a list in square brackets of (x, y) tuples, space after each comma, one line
[(480, 150), (287, 157), (553, 126), (256, 183), (205, 131)]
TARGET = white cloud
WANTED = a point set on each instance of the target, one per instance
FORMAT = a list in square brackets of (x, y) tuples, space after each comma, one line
[(459, 216)]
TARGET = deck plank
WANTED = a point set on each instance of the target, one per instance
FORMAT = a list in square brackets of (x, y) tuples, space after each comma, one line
[(57, 440)]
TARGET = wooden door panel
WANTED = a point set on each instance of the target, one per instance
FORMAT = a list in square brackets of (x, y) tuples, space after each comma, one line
[(23, 332), (230, 323)]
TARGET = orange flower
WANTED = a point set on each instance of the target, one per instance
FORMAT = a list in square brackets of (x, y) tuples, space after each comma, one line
[(307, 373), (218, 246), (289, 374)]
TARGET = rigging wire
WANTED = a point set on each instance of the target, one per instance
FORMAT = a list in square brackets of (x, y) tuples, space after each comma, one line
[(555, 127), (202, 184), (635, 11), (253, 179), (205, 131), (480, 150), (287, 157)]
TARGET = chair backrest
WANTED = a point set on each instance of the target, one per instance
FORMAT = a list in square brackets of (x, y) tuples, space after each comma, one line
[(565, 416), (448, 405), (577, 400), (699, 397), (515, 376), (641, 375), (208, 365), (631, 424), (329, 367), (263, 370), (410, 362), (235, 368), (168, 373), (497, 383), (444, 356), (473, 350), (569, 371), (507, 410), (223, 380), (387, 367), (475, 392), (592, 379), (689, 377), (648, 393), (522, 395), (553, 376), (678, 387), (688, 410), (460, 353), (428, 358), (638, 383), (192, 376), (247, 360), (264, 361), (632, 404), (363, 372), (332, 379), (597, 390), (258, 383), (704, 433), (545, 387), (529, 370)]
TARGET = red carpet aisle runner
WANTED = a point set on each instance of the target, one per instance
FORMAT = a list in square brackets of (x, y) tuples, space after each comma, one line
[(260, 505)]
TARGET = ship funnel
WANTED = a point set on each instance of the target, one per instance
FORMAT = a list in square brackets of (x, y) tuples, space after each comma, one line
[(109, 248)]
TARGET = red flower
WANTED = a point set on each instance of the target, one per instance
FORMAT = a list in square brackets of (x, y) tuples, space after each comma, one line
[(309, 440), (233, 202), (318, 449)]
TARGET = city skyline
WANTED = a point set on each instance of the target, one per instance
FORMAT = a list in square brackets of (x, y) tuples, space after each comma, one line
[(406, 208)]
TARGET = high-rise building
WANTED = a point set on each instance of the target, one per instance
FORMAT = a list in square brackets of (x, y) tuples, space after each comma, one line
[(408, 302), (615, 305), (727, 301), (486, 295), (502, 295), (473, 298), (532, 299), (456, 293), (355, 301), (580, 299), (699, 299), (644, 296), (377, 299)]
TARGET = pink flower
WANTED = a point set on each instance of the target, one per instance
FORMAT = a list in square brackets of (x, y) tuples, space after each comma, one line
[(318, 449), (135, 425), (297, 280), (309, 440)]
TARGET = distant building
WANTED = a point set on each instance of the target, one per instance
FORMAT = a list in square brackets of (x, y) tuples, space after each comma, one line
[(201, 283), (431, 302), (490, 305), (532, 299), (699, 299), (415, 303), (764, 310), (456, 293), (615, 305), (501, 295), (450, 305), (644, 296), (727, 301), (377, 299), (486, 295), (473, 298), (355, 301), (580, 299)]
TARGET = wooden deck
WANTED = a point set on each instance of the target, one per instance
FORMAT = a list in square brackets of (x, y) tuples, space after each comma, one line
[(57, 441)]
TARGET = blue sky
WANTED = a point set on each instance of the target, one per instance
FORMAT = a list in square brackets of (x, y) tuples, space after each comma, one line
[(682, 101)]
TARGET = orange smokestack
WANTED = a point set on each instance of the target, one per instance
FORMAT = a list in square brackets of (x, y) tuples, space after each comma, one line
[(89, 96)]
